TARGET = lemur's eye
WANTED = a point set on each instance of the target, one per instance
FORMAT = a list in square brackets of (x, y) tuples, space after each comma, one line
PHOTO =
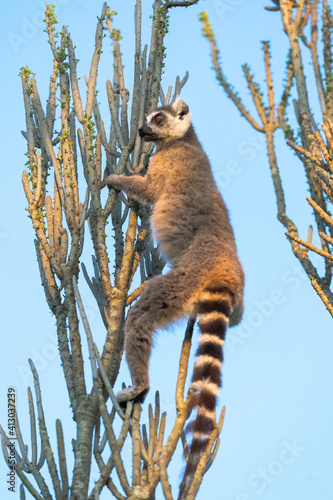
[(158, 118)]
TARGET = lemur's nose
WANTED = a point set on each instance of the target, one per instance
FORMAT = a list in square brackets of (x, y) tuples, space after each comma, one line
[(141, 132)]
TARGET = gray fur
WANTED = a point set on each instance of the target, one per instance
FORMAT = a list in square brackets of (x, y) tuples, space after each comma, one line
[(191, 223)]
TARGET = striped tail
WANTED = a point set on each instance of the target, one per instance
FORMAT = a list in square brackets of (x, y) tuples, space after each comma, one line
[(213, 309)]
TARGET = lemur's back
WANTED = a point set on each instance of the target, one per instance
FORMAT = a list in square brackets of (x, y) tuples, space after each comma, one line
[(188, 206), (191, 224)]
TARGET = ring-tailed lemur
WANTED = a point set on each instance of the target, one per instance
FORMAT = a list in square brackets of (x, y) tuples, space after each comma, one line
[(191, 224)]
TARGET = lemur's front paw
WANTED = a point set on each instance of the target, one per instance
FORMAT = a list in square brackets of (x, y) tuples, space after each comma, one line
[(136, 394), (114, 181)]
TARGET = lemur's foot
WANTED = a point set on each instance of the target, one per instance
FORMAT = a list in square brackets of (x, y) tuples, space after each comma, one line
[(136, 394)]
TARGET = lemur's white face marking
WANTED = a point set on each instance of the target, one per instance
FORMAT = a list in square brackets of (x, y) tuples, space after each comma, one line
[(167, 123)]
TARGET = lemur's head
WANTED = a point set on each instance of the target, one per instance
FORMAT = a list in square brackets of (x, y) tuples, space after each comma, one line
[(167, 123)]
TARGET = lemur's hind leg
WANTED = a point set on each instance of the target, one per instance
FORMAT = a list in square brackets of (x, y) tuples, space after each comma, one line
[(163, 300)]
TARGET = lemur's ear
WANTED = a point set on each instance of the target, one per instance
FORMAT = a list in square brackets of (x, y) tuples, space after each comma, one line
[(180, 107)]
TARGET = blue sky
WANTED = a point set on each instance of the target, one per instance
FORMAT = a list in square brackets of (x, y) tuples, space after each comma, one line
[(277, 438)]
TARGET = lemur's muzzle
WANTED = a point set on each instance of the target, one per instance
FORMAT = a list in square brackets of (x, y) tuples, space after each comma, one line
[(145, 131)]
